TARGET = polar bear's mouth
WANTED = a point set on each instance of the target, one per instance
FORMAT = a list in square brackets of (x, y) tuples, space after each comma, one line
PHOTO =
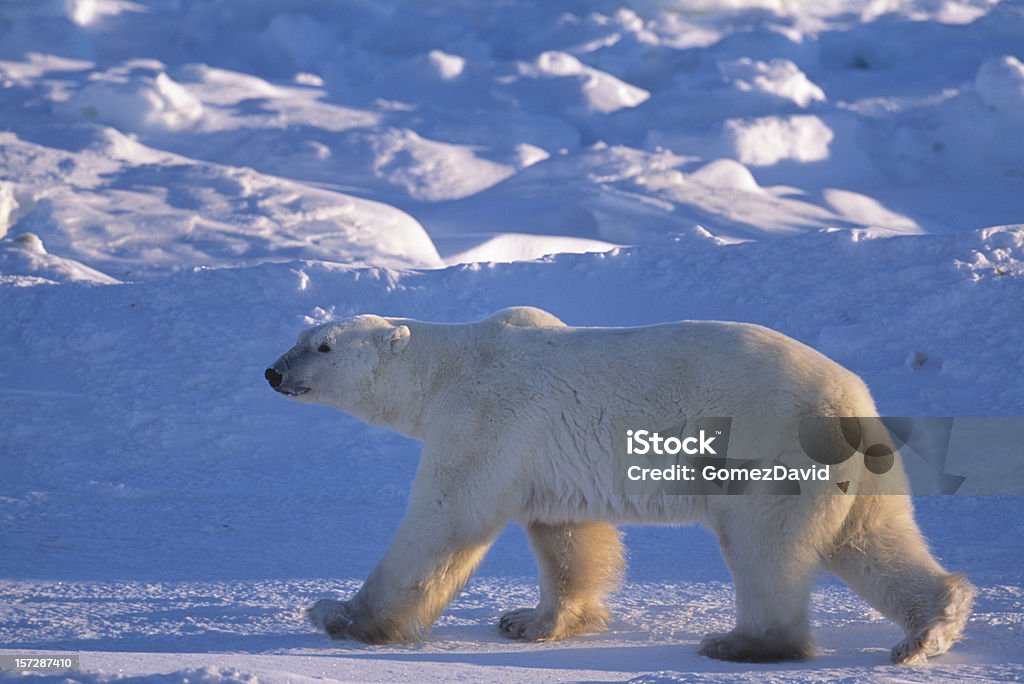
[(293, 392)]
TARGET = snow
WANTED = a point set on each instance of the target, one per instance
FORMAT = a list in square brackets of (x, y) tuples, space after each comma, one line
[(779, 77), (580, 86), (765, 141), (8, 205), (25, 256), (185, 186), (433, 171), (137, 97), (1000, 85), (509, 247)]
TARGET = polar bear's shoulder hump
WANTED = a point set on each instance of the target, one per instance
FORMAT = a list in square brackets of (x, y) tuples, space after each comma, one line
[(523, 317)]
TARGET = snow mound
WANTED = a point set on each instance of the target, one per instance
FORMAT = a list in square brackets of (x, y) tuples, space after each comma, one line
[(445, 66), (434, 67), (560, 77), (1000, 84), (868, 212), (621, 195), (510, 247), (138, 97), (134, 210), (433, 171), (223, 87), (727, 174), (8, 205), (779, 77), (765, 141), (942, 11), (24, 255), (86, 12)]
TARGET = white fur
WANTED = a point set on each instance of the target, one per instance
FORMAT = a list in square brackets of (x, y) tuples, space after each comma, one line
[(515, 414)]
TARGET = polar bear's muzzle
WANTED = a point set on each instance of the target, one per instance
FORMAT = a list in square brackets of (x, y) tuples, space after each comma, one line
[(276, 380)]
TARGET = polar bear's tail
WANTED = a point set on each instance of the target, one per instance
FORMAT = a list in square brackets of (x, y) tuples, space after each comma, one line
[(882, 556)]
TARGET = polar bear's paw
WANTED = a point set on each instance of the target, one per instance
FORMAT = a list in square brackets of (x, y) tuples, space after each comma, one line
[(334, 617), (533, 624), (741, 647), (528, 624), (956, 595), (346, 620), (933, 640), (913, 650)]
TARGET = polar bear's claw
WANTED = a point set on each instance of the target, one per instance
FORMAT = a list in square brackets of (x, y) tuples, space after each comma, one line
[(527, 624), (534, 624), (911, 651)]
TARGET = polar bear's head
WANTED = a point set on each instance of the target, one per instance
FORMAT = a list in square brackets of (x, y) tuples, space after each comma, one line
[(336, 363)]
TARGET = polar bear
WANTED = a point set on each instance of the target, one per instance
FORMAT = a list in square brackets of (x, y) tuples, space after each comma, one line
[(515, 415)]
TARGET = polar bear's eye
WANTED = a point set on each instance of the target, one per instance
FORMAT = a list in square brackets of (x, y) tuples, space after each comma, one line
[(323, 348)]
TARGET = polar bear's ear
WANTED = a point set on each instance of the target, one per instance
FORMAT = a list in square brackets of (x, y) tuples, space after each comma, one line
[(394, 340)]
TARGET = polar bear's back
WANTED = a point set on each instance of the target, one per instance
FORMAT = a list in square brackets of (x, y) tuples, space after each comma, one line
[(703, 364)]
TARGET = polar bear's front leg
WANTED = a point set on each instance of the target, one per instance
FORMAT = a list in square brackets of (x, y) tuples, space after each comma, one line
[(441, 540), (578, 563), (773, 566)]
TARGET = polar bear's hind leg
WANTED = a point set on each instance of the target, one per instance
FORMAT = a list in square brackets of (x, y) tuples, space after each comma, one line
[(936, 636), (579, 564), (886, 561)]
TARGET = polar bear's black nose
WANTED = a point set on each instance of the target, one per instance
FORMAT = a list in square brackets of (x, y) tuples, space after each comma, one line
[(273, 377)]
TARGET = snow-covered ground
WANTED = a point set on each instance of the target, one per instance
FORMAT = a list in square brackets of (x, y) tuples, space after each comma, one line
[(203, 179)]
